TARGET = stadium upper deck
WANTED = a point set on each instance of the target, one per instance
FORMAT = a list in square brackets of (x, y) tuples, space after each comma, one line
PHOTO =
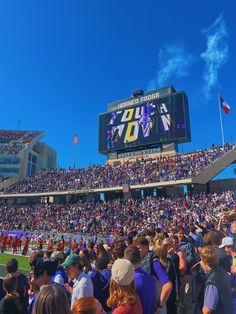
[(22, 154), (170, 168), (12, 142)]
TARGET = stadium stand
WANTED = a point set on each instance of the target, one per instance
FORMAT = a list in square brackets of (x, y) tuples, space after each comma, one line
[(145, 171), (12, 142), (118, 216)]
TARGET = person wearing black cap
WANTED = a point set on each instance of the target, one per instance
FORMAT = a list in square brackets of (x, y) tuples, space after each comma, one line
[(42, 272)]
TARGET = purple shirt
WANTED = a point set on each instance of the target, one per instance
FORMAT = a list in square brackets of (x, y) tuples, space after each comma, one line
[(146, 290), (211, 297), (160, 272)]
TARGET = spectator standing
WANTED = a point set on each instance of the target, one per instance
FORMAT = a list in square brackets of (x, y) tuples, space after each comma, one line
[(144, 283), (60, 276), (22, 283), (218, 295), (152, 266), (52, 299), (229, 246), (83, 285), (123, 298), (87, 305), (10, 303)]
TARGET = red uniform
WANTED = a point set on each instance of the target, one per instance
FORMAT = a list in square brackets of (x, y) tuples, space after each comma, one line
[(14, 245), (4, 242), (9, 243), (26, 246), (40, 243), (59, 247), (19, 244)]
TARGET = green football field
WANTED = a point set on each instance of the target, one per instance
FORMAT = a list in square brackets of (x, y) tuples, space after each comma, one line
[(23, 261)]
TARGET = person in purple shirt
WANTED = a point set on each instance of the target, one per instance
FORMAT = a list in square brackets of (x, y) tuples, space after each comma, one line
[(145, 284), (152, 266)]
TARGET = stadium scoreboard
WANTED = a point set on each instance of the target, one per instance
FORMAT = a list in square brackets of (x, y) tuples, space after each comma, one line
[(157, 117)]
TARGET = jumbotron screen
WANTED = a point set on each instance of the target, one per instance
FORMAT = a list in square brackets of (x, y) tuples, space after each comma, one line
[(159, 121)]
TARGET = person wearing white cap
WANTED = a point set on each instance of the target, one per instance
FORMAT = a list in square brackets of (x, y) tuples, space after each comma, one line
[(227, 241), (230, 249), (123, 298)]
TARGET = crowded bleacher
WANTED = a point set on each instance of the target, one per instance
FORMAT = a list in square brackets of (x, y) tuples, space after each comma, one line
[(12, 142), (171, 254), (163, 168), (118, 216), (166, 255), (3, 178)]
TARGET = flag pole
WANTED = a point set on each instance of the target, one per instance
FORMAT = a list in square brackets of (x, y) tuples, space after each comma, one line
[(75, 141), (221, 123), (74, 155)]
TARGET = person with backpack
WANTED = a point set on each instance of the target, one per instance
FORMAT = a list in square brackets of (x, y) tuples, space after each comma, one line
[(187, 292), (151, 264), (101, 282)]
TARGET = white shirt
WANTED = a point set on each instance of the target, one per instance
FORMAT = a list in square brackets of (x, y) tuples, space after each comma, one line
[(83, 287)]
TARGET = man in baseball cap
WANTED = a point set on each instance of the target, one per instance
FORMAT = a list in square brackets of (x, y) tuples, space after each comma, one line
[(227, 241), (60, 276), (83, 286)]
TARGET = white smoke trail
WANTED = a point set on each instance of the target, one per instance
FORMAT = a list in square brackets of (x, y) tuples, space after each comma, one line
[(216, 54), (173, 61)]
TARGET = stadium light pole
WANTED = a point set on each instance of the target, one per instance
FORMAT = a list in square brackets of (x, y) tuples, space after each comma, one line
[(221, 123)]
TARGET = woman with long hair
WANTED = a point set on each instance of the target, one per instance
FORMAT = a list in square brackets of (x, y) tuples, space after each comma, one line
[(162, 252), (100, 251), (52, 299), (85, 259), (123, 298)]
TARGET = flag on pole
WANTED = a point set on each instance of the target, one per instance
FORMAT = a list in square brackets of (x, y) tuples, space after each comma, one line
[(224, 105), (75, 140)]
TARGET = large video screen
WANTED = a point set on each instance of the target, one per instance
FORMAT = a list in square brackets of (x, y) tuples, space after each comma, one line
[(160, 121)]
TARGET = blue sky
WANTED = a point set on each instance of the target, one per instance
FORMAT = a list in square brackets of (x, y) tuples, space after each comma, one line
[(62, 62)]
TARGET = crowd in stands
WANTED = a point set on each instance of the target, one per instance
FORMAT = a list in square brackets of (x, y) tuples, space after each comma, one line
[(11, 149), (163, 168), (12, 142), (7, 136), (3, 178), (190, 270), (118, 216), (163, 255)]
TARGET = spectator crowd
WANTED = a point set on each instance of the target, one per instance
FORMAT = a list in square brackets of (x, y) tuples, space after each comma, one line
[(119, 216), (12, 142), (163, 168), (188, 270), (163, 255), (11, 149)]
